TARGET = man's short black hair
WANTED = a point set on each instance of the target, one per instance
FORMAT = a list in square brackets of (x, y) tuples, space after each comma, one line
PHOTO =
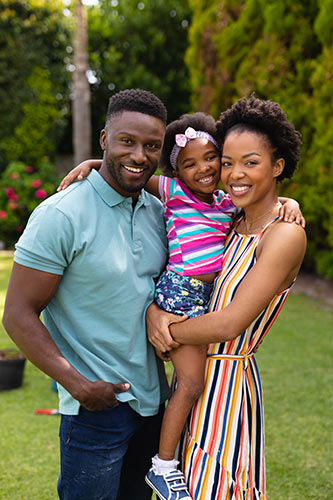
[(137, 100), (264, 118)]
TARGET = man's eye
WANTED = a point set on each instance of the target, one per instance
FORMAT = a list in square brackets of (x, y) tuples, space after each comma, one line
[(153, 147)]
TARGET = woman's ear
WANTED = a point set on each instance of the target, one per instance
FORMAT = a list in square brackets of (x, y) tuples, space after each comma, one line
[(278, 167)]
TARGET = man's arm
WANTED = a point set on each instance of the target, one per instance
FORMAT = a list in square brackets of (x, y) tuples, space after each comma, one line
[(28, 293)]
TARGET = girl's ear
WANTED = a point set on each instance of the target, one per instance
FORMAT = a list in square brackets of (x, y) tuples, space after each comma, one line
[(278, 167), (103, 139), (175, 172)]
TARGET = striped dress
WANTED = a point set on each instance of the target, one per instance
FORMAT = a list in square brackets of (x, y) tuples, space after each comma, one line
[(223, 446)]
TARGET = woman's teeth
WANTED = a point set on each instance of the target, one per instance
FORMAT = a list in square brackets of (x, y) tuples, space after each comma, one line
[(240, 189)]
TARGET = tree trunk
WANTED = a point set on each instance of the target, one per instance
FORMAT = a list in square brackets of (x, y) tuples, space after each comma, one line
[(81, 101)]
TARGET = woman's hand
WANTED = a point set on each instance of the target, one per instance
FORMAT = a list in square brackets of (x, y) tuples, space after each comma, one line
[(79, 173), (291, 212), (158, 322)]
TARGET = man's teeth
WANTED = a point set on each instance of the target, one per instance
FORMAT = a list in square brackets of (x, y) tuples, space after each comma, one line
[(239, 189), (133, 169)]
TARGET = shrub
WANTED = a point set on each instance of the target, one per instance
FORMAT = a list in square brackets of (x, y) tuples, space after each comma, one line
[(22, 188)]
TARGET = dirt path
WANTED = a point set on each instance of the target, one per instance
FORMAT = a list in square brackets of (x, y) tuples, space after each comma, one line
[(315, 287)]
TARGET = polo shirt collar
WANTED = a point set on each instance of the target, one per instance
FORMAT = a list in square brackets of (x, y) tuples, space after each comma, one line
[(110, 195)]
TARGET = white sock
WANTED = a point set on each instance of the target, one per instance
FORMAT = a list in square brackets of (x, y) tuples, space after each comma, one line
[(164, 466)]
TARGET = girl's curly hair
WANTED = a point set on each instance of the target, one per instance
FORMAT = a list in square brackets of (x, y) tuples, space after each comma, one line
[(198, 121), (265, 118)]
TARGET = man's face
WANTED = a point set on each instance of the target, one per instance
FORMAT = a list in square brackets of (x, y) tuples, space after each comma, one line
[(132, 144)]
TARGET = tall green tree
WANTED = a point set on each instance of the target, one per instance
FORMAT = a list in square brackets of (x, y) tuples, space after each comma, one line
[(34, 39), (139, 44), (81, 87), (282, 50)]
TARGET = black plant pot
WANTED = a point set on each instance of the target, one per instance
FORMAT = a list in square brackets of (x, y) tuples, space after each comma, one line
[(11, 373)]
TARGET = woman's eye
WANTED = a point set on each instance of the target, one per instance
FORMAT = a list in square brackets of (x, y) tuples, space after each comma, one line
[(251, 163), (226, 164)]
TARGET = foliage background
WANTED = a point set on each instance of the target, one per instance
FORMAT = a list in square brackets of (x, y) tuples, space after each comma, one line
[(195, 55), (283, 51)]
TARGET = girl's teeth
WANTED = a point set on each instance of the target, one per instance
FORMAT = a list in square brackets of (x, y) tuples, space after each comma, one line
[(240, 188), (206, 179)]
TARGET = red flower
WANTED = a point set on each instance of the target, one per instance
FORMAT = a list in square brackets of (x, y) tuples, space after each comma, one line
[(28, 168), (12, 205), (14, 175), (3, 214), (11, 195), (36, 183), (41, 193)]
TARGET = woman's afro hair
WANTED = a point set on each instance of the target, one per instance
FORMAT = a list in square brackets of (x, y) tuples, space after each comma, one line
[(264, 118), (198, 121)]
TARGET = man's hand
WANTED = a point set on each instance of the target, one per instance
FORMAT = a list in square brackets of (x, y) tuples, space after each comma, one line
[(97, 396), (158, 322)]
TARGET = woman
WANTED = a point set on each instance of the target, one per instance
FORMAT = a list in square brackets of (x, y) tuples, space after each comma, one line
[(223, 448)]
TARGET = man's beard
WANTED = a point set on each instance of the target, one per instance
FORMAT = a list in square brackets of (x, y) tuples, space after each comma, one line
[(127, 186)]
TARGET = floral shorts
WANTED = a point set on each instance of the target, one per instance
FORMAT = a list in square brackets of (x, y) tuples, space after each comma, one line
[(182, 294)]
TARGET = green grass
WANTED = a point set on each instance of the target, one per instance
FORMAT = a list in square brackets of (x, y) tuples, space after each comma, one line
[(295, 361)]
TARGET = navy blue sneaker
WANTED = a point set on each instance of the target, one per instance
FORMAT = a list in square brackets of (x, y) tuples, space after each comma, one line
[(170, 486)]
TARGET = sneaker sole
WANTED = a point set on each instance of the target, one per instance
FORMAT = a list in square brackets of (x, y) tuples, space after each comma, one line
[(153, 488)]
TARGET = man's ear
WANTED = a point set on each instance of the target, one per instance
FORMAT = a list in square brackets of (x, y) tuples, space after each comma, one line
[(103, 139), (278, 167)]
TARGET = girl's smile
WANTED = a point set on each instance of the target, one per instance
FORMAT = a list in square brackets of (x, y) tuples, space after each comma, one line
[(199, 168)]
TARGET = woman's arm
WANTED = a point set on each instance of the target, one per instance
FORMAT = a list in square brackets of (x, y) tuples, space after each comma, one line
[(279, 258)]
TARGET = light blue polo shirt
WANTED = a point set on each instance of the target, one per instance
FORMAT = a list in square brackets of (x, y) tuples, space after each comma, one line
[(109, 256)]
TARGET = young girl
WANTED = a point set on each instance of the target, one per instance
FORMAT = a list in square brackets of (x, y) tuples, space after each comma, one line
[(198, 220)]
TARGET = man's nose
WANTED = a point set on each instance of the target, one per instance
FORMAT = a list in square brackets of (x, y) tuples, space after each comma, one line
[(138, 154)]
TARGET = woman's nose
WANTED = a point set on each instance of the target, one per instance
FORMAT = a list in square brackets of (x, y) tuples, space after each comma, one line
[(237, 172)]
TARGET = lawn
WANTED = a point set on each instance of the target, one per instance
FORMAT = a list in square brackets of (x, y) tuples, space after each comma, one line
[(296, 367)]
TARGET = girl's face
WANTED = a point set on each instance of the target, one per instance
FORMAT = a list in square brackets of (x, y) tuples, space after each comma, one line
[(199, 168), (248, 174)]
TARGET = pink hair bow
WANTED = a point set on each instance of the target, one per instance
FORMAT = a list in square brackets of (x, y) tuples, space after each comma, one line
[(182, 139)]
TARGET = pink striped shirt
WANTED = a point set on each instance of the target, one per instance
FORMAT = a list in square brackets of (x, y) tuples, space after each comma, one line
[(196, 230)]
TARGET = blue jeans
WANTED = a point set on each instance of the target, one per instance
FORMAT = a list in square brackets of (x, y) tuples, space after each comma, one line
[(105, 454)]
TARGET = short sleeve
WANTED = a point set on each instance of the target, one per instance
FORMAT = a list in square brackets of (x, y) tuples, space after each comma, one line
[(167, 187), (47, 243)]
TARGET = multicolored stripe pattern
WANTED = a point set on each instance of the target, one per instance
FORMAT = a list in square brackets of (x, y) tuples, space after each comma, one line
[(223, 447), (196, 231)]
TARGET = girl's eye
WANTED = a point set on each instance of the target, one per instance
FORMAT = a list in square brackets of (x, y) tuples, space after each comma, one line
[(251, 163), (211, 157), (226, 164)]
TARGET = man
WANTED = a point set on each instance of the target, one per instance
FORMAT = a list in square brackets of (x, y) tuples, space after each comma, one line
[(88, 259)]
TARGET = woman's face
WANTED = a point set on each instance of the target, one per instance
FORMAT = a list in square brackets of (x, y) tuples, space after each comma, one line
[(248, 174)]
